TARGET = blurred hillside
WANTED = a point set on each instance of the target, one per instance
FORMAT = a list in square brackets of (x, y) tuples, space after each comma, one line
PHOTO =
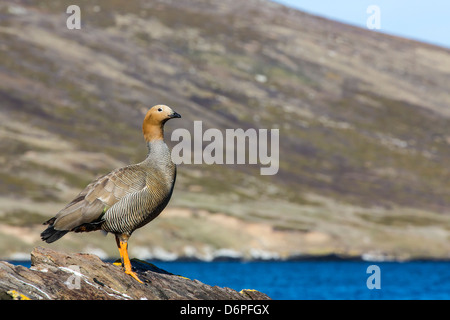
[(364, 124)]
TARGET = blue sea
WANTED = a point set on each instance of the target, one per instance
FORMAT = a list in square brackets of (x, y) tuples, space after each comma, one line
[(293, 280)]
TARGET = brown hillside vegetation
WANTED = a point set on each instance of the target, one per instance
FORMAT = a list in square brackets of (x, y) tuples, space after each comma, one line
[(363, 119)]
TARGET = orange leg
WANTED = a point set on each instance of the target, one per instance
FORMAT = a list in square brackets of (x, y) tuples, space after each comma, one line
[(122, 244)]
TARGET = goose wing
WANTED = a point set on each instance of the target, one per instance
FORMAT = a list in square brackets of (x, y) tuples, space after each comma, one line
[(101, 194)]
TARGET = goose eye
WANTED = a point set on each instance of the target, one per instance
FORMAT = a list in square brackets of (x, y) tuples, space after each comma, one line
[(159, 109)]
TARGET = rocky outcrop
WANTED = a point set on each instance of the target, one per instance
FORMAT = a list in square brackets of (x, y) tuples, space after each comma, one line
[(55, 275)]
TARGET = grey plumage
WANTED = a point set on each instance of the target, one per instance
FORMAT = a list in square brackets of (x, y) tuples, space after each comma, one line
[(121, 201), (138, 208)]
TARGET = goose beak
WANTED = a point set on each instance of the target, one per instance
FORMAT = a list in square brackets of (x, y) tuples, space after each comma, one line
[(175, 115)]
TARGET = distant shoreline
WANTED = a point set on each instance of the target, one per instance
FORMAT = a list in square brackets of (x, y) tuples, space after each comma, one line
[(297, 258)]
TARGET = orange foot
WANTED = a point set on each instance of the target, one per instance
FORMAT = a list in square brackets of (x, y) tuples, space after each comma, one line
[(134, 275), (123, 250)]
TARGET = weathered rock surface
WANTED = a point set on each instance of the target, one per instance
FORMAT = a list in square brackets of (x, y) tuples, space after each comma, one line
[(58, 275)]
